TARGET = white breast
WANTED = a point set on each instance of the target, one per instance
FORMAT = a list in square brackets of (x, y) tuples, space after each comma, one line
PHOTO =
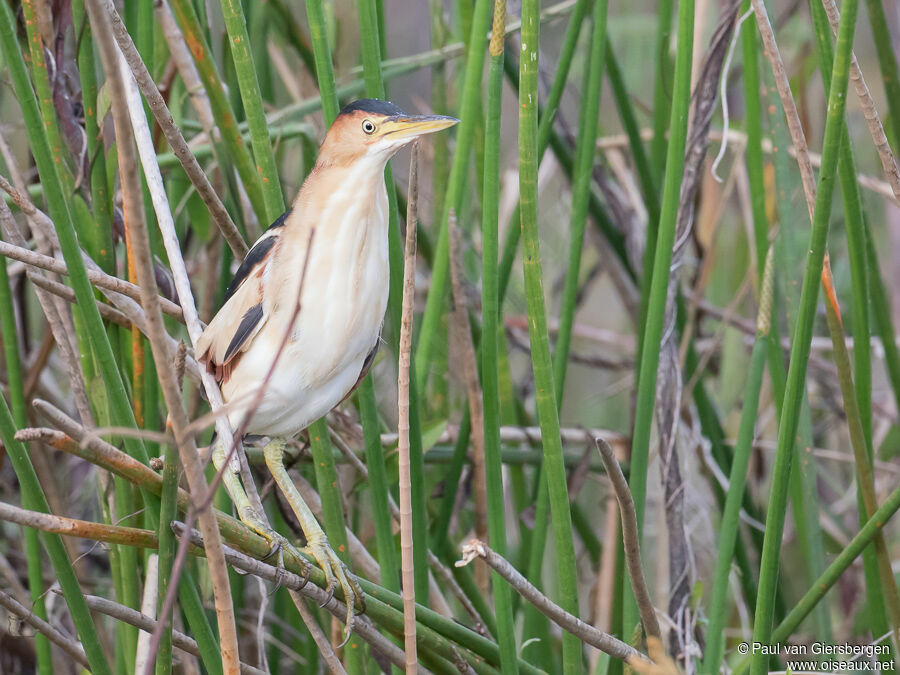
[(343, 302)]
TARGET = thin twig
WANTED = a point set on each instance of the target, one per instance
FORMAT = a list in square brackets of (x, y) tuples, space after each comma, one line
[(43, 227), (107, 312), (318, 635), (527, 435), (84, 529), (583, 631), (362, 625), (783, 85), (24, 614), (98, 278), (173, 135), (403, 403), (148, 624), (870, 112), (630, 539)]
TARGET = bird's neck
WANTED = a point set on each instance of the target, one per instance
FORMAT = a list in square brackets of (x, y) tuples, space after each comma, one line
[(353, 184)]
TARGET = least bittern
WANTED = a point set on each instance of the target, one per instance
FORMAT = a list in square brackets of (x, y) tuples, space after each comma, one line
[(340, 277)]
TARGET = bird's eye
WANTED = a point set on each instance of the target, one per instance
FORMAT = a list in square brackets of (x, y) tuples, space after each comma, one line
[(368, 126)]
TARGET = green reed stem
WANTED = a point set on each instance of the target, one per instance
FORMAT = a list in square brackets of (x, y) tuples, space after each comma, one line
[(168, 509), (800, 345), (378, 487), (832, 574), (865, 478), (753, 125), (221, 107), (582, 176), (537, 328), (326, 480), (318, 33), (371, 54), (241, 53), (882, 316), (490, 316), (17, 399), (470, 115), (663, 88), (100, 244), (728, 532), (658, 290), (633, 131), (451, 480)]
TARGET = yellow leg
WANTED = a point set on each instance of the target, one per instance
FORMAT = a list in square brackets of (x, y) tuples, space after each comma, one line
[(317, 545), (250, 516)]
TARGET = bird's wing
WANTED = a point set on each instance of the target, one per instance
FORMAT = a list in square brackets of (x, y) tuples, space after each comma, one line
[(242, 316)]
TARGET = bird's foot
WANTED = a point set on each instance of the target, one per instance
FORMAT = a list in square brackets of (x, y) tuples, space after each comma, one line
[(336, 573), (278, 545)]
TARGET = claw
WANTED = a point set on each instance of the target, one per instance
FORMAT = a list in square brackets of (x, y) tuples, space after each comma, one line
[(276, 548), (329, 595), (278, 545), (336, 573)]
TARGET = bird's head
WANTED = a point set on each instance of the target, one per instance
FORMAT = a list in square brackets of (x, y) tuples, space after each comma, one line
[(375, 130)]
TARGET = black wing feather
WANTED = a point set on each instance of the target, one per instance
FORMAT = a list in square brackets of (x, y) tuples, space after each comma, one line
[(259, 251), (280, 220), (251, 317)]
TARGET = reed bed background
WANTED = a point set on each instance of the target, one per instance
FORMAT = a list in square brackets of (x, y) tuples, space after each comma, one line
[(637, 434)]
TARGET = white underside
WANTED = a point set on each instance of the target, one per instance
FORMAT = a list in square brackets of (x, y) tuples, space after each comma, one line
[(344, 298)]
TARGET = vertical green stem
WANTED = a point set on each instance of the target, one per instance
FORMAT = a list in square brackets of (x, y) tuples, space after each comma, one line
[(537, 327), (318, 33), (652, 331), (100, 245), (251, 97), (582, 178), (800, 345), (661, 91), (167, 511), (469, 119), (490, 314), (887, 61), (221, 108), (378, 487), (728, 532), (17, 398)]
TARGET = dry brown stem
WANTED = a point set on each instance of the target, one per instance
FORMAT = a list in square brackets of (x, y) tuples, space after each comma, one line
[(96, 277), (148, 624), (630, 539), (403, 403), (870, 112), (583, 631), (24, 614), (463, 334)]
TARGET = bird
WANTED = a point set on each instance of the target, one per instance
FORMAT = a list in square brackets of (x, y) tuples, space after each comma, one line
[(301, 321)]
